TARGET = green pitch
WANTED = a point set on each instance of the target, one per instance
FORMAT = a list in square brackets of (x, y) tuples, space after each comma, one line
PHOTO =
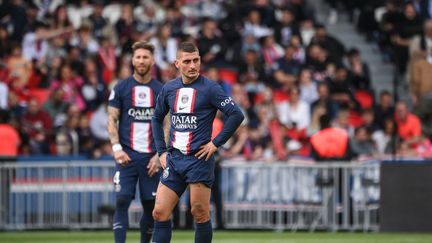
[(219, 237)]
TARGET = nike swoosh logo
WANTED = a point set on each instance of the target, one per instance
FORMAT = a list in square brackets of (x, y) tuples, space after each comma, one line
[(182, 108), (153, 194)]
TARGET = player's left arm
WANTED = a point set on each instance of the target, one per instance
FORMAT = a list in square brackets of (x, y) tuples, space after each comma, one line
[(234, 118)]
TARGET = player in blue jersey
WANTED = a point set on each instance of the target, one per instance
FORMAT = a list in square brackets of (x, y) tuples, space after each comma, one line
[(192, 101), (130, 110)]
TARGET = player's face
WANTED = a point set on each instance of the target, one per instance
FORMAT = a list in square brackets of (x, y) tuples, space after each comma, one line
[(142, 61), (189, 64)]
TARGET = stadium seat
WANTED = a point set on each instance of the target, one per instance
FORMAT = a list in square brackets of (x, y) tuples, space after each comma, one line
[(40, 94), (228, 75), (365, 98)]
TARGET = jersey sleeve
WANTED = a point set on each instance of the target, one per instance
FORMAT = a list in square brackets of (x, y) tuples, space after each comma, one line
[(233, 113), (114, 97), (160, 112)]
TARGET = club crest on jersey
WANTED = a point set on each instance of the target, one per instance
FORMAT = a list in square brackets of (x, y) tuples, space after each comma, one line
[(184, 99), (165, 173), (142, 95)]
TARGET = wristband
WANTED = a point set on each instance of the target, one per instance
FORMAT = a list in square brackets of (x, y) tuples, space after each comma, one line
[(117, 147)]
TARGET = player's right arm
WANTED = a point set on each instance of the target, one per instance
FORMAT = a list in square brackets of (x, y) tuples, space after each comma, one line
[(120, 156), (161, 110)]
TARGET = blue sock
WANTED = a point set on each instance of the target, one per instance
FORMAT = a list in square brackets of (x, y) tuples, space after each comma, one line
[(121, 220), (203, 232), (162, 232), (146, 222), (146, 228)]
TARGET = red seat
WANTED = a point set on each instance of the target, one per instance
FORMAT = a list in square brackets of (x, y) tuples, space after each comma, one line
[(40, 94), (365, 98), (228, 75)]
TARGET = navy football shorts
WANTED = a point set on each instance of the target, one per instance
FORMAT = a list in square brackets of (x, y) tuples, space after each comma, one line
[(126, 178), (185, 169)]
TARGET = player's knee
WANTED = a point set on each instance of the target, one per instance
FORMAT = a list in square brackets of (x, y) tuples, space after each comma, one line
[(123, 202), (159, 214), (200, 212)]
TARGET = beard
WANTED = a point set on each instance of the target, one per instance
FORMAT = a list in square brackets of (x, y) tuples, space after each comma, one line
[(141, 70)]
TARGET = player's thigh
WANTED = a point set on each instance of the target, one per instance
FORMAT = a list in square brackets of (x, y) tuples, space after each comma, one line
[(200, 195), (166, 200), (125, 179)]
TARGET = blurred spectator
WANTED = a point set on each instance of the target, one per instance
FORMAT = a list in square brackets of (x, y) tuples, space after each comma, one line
[(71, 84), (383, 137), (165, 47), (359, 71), (19, 68), (5, 41), (286, 69), (314, 125), (368, 120), (212, 47), (307, 31), (294, 113), (56, 104), (213, 74), (107, 59), (98, 124), (317, 61), (85, 138), (362, 144), (286, 27), (342, 121), (421, 45), (384, 109), (252, 66), (253, 24), (67, 138), (308, 87), (299, 51), (101, 27), (93, 90), (409, 26), (324, 100), (35, 44), (4, 90), (9, 137), (408, 124), (271, 51), (334, 48), (341, 90), (85, 42), (37, 124)]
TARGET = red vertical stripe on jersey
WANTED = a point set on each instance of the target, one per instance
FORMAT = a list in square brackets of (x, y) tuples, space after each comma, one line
[(151, 97), (189, 143), (174, 139), (133, 96), (176, 99), (193, 101), (131, 137), (149, 138)]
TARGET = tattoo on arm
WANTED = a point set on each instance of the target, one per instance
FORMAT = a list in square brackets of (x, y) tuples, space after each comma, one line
[(113, 117)]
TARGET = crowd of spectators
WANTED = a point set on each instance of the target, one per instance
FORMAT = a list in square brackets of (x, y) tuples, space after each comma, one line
[(59, 60)]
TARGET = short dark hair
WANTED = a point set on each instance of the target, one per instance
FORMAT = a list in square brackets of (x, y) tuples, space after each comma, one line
[(187, 46), (142, 45)]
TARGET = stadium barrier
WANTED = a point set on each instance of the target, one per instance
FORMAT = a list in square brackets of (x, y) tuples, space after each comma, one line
[(278, 196), (281, 196)]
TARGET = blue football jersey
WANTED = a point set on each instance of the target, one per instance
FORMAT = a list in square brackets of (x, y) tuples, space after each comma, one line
[(193, 108), (136, 102)]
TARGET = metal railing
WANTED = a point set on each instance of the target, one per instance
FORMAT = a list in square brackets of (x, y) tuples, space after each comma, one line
[(281, 196)]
